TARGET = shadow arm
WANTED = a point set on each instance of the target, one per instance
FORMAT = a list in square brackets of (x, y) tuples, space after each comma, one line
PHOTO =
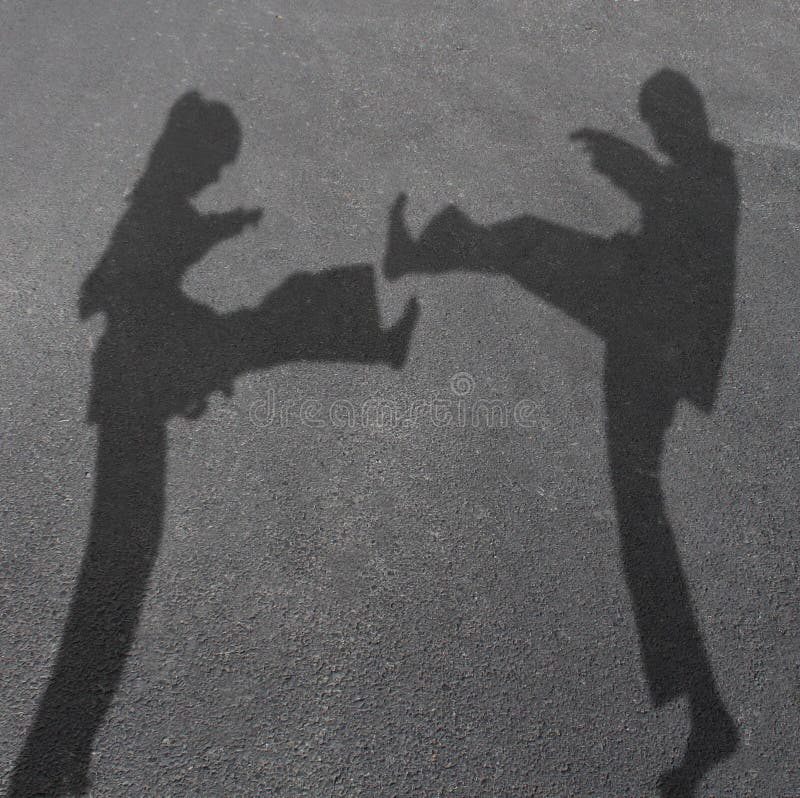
[(630, 169), (220, 226)]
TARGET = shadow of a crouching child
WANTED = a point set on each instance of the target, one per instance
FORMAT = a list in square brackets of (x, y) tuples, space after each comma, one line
[(162, 355)]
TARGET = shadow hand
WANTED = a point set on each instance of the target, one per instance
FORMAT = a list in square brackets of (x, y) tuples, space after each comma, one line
[(231, 223), (604, 149), (244, 217)]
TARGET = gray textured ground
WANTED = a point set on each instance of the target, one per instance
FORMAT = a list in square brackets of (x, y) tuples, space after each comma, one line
[(398, 611)]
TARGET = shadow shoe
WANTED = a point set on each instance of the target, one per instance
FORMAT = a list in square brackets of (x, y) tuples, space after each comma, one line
[(54, 775), (712, 739), (398, 337), (401, 250)]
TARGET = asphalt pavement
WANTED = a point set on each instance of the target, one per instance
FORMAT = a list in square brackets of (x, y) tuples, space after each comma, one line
[(331, 463)]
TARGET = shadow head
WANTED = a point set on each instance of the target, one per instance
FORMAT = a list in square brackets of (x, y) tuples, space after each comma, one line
[(200, 138), (674, 110)]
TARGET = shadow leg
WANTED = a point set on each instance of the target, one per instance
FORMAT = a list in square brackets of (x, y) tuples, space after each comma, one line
[(673, 654), (330, 316), (104, 613), (578, 273)]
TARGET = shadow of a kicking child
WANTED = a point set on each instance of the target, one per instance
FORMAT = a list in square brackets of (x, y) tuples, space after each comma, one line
[(162, 355), (662, 300)]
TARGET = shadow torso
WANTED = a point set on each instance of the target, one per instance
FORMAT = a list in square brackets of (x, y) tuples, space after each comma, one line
[(675, 290)]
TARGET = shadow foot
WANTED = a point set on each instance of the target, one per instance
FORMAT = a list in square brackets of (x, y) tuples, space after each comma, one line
[(712, 740), (49, 783), (401, 250), (398, 338)]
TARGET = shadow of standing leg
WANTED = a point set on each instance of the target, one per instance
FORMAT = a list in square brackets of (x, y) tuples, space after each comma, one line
[(122, 548), (673, 654)]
